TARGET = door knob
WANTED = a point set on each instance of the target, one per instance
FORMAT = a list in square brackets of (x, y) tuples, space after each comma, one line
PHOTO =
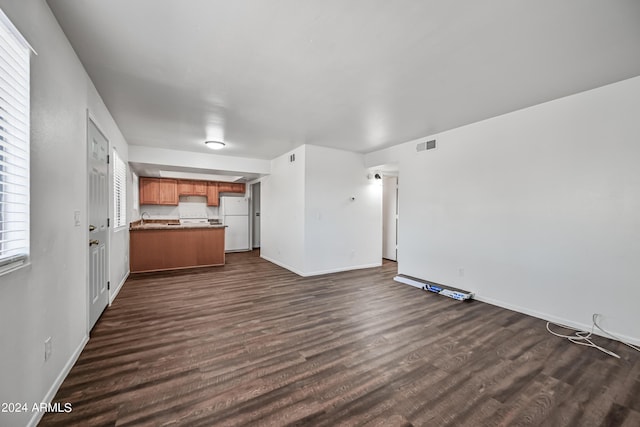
[(94, 242), (92, 227)]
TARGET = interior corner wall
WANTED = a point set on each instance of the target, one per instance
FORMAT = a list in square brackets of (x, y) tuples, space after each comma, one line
[(48, 298), (536, 210), (341, 233), (282, 223)]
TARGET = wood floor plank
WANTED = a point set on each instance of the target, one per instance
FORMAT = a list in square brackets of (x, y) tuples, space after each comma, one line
[(253, 344)]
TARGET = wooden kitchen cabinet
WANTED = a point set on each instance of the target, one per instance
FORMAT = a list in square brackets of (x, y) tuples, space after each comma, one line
[(238, 187), (175, 248), (149, 191), (224, 187), (157, 191), (231, 187), (192, 188), (163, 191), (213, 198), (168, 192)]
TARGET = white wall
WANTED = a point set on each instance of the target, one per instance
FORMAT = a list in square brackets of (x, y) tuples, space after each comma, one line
[(538, 207), (283, 212), (309, 224), (188, 159), (48, 298), (340, 234)]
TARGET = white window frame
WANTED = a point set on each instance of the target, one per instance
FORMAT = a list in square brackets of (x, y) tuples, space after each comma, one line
[(119, 192), (15, 82)]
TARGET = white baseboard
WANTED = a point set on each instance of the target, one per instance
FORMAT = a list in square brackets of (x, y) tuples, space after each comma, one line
[(113, 296), (280, 264), (555, 319), (534, 313), (320, 272), (349, 268), (37, 416)]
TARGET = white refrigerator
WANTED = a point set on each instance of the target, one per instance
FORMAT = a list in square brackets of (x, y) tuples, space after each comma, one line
[(235, 215)]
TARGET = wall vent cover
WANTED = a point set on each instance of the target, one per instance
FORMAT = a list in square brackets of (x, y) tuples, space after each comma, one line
[(426, 145)]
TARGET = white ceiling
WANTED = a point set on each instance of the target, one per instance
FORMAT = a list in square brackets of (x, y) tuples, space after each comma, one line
[(266, 76)]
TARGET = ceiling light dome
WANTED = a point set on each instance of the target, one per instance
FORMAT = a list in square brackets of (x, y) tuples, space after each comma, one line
[(215, 145)]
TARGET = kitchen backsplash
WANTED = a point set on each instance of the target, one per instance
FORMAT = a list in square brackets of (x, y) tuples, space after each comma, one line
[(188, 207)]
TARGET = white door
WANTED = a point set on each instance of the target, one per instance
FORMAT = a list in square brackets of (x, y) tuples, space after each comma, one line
[(256, 214), (390, 217), (98, 230)]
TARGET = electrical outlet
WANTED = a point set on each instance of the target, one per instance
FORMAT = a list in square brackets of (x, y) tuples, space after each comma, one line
[(76, 218), (47, 349)]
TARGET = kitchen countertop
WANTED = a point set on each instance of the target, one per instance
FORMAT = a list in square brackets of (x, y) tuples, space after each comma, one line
[(169, 225), (174, 226)]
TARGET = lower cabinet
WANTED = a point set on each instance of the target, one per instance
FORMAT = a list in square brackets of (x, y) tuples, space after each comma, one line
[(170, 249)]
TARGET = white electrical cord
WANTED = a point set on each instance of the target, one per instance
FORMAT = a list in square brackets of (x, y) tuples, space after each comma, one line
[(595, 323), (584, 337)]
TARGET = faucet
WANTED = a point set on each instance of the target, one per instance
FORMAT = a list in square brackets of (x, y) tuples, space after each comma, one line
[(142, 217)]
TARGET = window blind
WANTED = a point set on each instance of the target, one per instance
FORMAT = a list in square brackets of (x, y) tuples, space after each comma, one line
[(119, 191), (14, 145)]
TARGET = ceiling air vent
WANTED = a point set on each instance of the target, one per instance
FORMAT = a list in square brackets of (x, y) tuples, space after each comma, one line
[(426, 145)]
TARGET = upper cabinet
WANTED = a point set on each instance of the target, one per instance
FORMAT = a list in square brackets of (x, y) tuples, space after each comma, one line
[(231, 187), (158, 191), (213, 198), (192, 188), (162, 191)]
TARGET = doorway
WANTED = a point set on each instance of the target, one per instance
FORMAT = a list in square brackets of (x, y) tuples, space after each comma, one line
[(98, 174), (255, 215), (390, 217)]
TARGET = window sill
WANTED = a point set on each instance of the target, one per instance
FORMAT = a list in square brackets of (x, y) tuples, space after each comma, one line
[(15, 266)]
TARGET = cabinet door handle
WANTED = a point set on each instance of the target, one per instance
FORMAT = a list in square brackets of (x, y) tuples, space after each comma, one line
[(92, 227), (94, 242)]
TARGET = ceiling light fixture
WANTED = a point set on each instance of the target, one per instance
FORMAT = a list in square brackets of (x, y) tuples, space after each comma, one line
[(215, 145)]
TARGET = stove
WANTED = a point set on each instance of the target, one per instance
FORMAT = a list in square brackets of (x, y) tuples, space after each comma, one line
[(194, 221)]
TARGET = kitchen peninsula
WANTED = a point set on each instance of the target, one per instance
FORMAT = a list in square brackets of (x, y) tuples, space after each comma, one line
[(158, 245)]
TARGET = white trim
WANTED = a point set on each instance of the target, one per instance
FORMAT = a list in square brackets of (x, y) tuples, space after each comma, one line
[(37, 416), (528, 312), (554, 319), (15, 266), (285, 266), (321, 272), (340, 269), (255, 181), (116, 291), (15, 32)]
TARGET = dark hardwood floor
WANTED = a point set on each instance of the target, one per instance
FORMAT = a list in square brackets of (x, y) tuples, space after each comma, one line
[(253, 344)]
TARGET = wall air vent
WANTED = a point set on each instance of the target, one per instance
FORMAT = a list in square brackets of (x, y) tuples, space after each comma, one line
[(426, 145)]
